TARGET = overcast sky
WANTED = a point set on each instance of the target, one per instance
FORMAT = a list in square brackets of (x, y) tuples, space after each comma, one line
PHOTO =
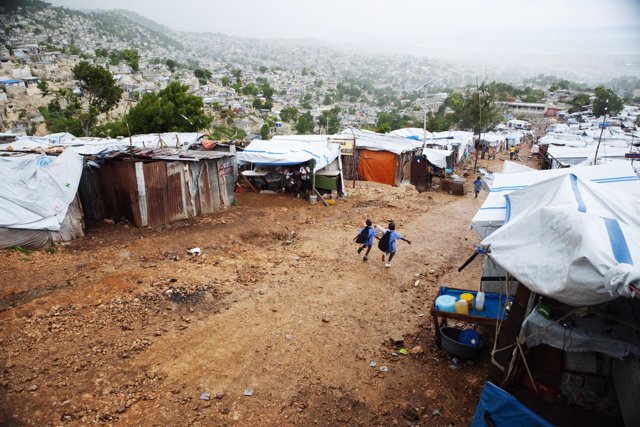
[(426, 26)]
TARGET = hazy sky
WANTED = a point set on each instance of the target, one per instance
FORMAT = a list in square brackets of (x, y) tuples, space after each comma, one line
[(523, 26)]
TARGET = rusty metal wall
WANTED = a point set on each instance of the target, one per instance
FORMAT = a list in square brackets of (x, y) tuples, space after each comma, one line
[(110, 192), (173, 190), (155, 181), (176, 201)]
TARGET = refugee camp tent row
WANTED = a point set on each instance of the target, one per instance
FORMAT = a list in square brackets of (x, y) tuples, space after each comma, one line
[(53, 183), (571, 239)]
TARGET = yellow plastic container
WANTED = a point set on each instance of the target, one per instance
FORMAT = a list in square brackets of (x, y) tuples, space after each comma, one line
[(468, 298), (462, 307)]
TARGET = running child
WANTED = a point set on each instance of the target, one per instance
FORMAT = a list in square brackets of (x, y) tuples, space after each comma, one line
[(365, 237), (387, 243), (476, 186)]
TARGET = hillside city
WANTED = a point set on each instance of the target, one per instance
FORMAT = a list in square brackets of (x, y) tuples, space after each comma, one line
[(41, 45)]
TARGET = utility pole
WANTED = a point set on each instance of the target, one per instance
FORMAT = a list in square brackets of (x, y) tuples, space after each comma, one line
[(604, 119), (475, 163), (424, 128)]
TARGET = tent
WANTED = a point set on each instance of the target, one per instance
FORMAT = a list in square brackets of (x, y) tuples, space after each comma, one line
[(385, 158), (586, 236), (35, 198), (100, 146), (289, 150), (612, 177)]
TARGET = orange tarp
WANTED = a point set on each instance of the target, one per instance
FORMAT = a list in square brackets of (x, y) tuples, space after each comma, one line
[(377, 166)]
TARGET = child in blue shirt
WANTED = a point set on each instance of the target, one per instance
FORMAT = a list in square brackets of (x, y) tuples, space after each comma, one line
[(369, 233), (476, 186), (393, 238)]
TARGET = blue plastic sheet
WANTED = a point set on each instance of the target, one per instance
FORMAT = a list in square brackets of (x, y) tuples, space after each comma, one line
[(502, 409)]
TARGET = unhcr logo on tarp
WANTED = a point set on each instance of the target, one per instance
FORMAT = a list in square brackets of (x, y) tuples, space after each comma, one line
[(44, 161)]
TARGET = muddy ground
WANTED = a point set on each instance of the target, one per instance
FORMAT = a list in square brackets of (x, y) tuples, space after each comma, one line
[(123, 327)]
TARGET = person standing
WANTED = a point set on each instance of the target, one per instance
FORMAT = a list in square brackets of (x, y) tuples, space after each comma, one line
[(305, 179), (477, 184), (365, 237), (387, 243)]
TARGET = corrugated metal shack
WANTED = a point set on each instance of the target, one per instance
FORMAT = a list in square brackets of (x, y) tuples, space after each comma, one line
[(152, 187)]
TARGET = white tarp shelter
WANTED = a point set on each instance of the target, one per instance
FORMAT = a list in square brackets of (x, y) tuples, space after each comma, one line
[(97, 146), (36, 190), (571, 239), (618, 178), (288, 150)]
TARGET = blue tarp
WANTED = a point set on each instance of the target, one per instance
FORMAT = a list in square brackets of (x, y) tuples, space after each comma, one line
[(502, 409)]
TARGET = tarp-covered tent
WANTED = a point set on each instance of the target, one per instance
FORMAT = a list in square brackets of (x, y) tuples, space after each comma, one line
[(586, 236), (385, 158), (492, 214), (382, 158), (291, 150), (35, 196), (98, 146), (568, 156)]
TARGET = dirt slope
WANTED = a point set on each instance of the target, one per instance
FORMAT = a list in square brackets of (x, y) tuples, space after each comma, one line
[(123, 327)]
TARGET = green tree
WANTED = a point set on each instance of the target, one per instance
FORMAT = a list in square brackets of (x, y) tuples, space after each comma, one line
[(330, 121), (225, 81), (305, 125), (101, 52), (237, 73), (257, 103), (170, 110), (201, 73), (265, 131), (289, 114), (44, 87), (578, 102), (479, 111), (171, 64), (251, 89), (98, 90), (606, 102), (132, 58), (263, 69)]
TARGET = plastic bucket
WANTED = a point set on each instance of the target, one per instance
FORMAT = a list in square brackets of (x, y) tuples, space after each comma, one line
[(313, 199)]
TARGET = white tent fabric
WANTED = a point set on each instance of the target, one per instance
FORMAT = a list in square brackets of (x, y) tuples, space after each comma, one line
[(291, 150), (379, 142), (411, 133), (513, 167), (437, 157), (95, 146), (394, 144), (36, 190), (570, 239), (619, 178)]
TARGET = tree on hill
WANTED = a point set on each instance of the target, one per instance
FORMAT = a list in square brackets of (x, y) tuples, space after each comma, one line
[(478, 111), (578, 102), (305, 125), (170, 110), (606, 102), (97, 95), (289, 114)]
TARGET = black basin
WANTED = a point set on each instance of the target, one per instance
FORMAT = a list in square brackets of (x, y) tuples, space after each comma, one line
[(449, 338)]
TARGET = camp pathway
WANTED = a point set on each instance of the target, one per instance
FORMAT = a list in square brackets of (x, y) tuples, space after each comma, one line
[(316, 319), (123, 327)]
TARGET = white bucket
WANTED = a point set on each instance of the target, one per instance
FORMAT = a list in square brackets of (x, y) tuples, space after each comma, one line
[(313, 199)]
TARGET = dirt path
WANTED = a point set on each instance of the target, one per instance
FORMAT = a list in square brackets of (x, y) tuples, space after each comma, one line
[(123, 327)]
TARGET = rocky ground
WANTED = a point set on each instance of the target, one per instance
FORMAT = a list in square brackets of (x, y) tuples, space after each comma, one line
[(278, 320)]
